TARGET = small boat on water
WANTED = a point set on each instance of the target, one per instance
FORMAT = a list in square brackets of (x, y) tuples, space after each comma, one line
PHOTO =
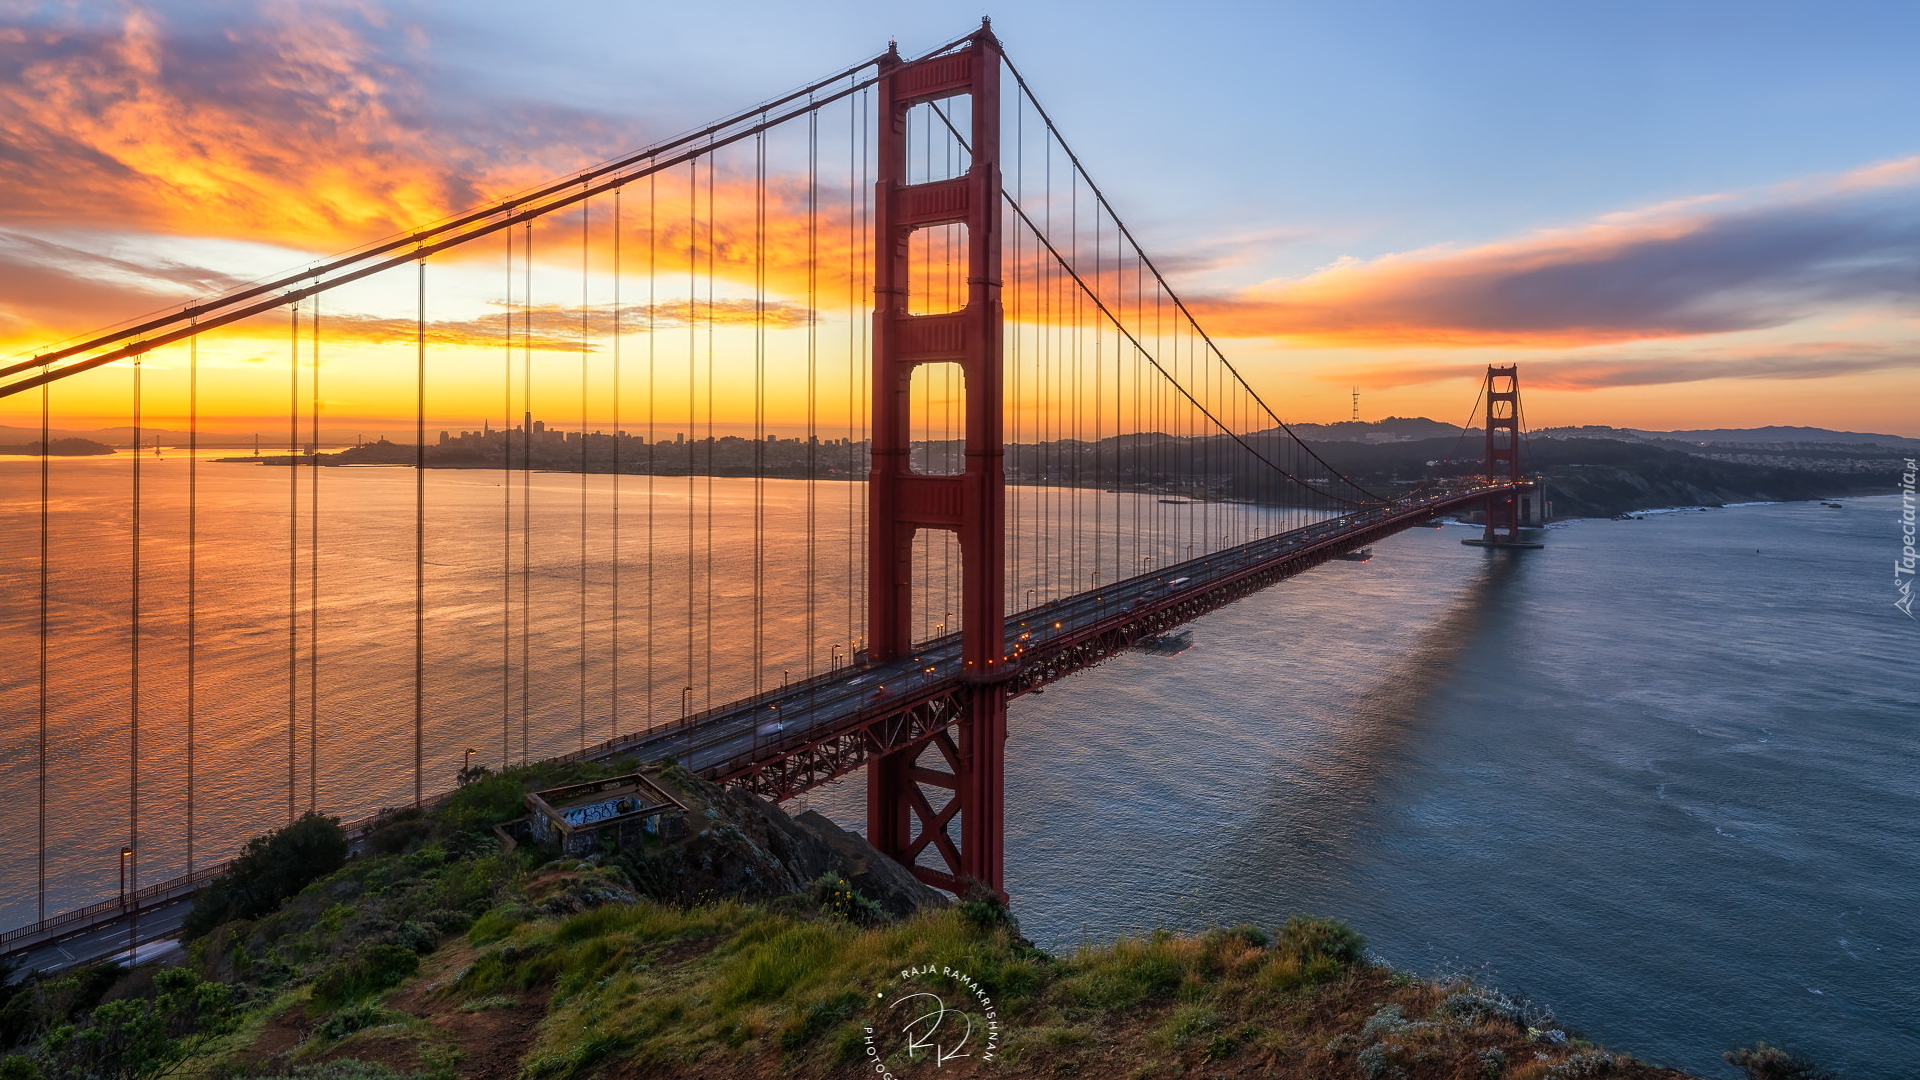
[(1834, 505), (1432, 525), (1363, 555), (1177, 502)]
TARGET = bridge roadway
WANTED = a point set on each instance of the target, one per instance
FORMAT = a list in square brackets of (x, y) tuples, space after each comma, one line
[(782, 743)]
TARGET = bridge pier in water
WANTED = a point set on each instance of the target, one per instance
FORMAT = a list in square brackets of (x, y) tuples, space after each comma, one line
[(901, 820)]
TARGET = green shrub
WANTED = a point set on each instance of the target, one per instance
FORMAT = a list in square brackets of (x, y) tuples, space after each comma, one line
[(400, 831), (270, 869), (414, 936), (832, 894), (1252, 935), (986, 911), (368, 971), (496, 924), (36, 1005), (1313, 939), (1387, 1020), (1478, 1005), (1311, 951), (143, 1036), (357, 1017), (1763, 1062), (1379, 1062), (1585, 1065)]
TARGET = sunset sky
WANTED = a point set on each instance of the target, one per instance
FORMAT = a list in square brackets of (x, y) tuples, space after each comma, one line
[(1673, 215)]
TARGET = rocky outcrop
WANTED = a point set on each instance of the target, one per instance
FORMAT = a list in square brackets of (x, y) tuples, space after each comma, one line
[(735, 845)]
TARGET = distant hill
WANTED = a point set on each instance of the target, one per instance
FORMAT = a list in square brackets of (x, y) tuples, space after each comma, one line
[(1391, 429), (1413, 428), (1601, 477), (57, 448), (1775, 435), (171, 437)]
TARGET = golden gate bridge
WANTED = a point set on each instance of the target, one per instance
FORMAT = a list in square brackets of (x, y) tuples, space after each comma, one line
[(1041, 458)]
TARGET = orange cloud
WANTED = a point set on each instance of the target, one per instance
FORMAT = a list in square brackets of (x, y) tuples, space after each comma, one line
[(554, 328), (300, 129), (292, 129), (1705, 266)]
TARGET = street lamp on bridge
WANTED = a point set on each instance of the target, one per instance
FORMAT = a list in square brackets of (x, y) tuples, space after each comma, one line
[(133, 919)]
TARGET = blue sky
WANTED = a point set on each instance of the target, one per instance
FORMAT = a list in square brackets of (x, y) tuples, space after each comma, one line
[(1361, 128)]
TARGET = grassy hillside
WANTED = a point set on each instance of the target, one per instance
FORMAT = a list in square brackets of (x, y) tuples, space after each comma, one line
[(435, 953)]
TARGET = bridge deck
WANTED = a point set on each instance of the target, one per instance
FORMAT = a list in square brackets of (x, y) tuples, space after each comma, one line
[(782, 743)]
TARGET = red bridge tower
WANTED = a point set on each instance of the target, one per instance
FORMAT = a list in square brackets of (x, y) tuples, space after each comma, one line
[(1502, 463), (901, 820)]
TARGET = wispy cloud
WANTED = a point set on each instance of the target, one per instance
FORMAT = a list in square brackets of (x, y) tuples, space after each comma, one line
[(565, 329), (1705, 266), (49, 288), (1821, 360)]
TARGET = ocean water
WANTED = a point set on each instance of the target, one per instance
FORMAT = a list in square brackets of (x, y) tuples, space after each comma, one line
[(1661, 775)]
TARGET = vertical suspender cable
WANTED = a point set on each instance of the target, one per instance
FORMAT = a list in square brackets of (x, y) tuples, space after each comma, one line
[(193, 572), (759, 406), (526, 489), (813, 366), (313, 581), (46, 477), (585, 347), (693, 408), (506, 526), (1099, 387), (613, 547), (653, 222), (133, 683), (855, 221), (293, 554), (864, 399), (420, 539), (1011, 404), (713, 221)]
